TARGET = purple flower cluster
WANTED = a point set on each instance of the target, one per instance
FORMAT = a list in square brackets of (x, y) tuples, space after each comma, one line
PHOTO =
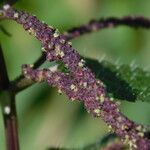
[(96, 25), (80, 84)]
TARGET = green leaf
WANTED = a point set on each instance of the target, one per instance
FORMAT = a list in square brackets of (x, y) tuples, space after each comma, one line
[(122, 82)]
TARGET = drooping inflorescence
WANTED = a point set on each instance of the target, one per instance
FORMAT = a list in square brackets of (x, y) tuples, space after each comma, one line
[(80, 83), (95, 25)]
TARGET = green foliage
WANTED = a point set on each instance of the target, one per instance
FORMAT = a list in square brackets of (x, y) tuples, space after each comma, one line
[(123, 82)]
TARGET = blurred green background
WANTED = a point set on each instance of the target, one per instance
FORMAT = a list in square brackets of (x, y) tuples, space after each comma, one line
[(48, 119)]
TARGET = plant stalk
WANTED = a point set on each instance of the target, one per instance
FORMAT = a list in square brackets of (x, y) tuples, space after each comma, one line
[(7, 100)]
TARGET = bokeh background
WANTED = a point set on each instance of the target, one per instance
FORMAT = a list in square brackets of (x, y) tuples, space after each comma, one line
[(48, 119)]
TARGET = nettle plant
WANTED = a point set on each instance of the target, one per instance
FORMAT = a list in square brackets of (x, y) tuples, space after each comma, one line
[(75, 76)]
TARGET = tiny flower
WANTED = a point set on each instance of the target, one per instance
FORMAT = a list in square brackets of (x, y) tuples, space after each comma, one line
[(85, 84), (139, 128), (97, 111), (141, 134), (32, 32), (72, 99), (60, 53), (56, 33), (102, 98), (100, 83), (119, 119), (50, 46), (70, 43), (16, 15), (51, 27), (123, 127), (43, 49), (59, 91), (132, 144), (110, 129), (62, 41), (81, 63), (74, 88), (126, 139)]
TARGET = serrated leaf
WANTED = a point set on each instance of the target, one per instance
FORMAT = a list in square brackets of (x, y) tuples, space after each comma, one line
[(123, 82)]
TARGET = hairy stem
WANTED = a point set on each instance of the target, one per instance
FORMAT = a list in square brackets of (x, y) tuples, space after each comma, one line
[(110, 22), (8, 108), (21, 82)]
